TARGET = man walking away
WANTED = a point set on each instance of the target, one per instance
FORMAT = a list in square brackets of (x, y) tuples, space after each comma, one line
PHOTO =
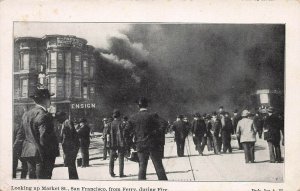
[(216, 133), (144, 127), (116, 143), (247, 133), (70, 143)]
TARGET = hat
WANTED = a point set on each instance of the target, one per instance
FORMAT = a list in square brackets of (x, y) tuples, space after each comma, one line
[(142, 102), (116, 113), (180, 116), (235, 111), (271, 109), (214, 113), (104, 119), (75, 121), (221, 107), (208, 116), (125, 118), (82, 120), (41, 93), (197, 114), (245, 113)]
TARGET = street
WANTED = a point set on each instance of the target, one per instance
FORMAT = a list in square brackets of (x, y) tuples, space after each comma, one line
[(192, 167)]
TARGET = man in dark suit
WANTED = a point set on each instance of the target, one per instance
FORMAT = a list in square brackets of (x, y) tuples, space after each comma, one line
[(226, 132), (216, 132), (117, 143), (235, 119), (181, 133), (40, 145), (69, 143), (104, 137), (84, 138), (144, 126), (17, 150), (199, 132), (272, 127)]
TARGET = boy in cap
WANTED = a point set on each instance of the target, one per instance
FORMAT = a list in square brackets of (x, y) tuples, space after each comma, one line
[(40, 145)]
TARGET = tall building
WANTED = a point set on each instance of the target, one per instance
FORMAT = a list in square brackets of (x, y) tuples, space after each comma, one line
[(65, 65)]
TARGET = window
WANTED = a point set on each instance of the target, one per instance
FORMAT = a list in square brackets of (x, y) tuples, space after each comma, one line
[(53, 60), (91, 71), (60, 56), (85, 67), (92, 90), (77, 64), (24, 61), (85, 92), (52, 88), (24, 88), (60, 87), (77, 88)]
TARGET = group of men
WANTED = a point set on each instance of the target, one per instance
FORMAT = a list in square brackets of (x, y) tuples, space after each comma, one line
[(142, 135), (36, 143), (215, 131)]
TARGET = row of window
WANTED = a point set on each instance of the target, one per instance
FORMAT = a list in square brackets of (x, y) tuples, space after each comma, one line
[(54, 58), (56, 86)]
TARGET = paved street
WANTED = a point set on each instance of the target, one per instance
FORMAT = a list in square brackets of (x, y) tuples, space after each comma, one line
[(192, 167)]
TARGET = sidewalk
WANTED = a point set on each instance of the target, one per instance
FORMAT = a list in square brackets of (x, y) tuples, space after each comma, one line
[(192, 167)]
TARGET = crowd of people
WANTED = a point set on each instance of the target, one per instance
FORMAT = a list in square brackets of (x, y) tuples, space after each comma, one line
[(138, 137)]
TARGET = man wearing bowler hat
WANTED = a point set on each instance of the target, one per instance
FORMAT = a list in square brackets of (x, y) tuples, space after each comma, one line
[(181, 133), (272, 127), (40, 145), (84, 139), (144, 126)]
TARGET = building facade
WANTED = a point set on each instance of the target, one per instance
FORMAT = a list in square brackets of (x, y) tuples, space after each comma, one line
[(65, 65)]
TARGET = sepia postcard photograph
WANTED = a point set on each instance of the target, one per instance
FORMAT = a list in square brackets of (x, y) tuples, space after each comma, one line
[(161, 103)]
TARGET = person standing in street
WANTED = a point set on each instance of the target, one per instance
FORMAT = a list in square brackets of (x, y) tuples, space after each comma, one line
[(272, 127), (70, 143), (40, 144), (181, 133), (199, 132), (258, 122), (235, 119), (216, 132), (227, 131), (84, 138), (117, 143), (209, 135), (247, 133), (17, 150), (144, 127), (104, 137)]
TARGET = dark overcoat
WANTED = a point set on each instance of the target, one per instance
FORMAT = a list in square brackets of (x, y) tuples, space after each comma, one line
[(180, 130), (144, 127), (84, 136), (40, 140), (116, 131), (69, 142), (272, 127)]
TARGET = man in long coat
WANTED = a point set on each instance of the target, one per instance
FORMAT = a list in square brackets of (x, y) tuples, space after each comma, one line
[(84, 138), (199, 132), (40, 144), (181, 132), (117, 143), (272, 127), (144, 127), (216, 132), (227, 131)]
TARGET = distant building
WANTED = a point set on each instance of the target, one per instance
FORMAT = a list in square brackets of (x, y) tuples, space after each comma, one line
[(65, 65)]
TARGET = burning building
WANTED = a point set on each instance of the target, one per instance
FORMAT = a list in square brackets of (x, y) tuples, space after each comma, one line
[(63, 64)]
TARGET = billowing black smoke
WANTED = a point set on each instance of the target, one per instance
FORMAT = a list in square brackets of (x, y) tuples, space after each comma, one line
[(184, 68)]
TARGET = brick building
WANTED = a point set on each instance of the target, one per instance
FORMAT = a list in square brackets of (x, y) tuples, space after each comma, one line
[(65, 65)]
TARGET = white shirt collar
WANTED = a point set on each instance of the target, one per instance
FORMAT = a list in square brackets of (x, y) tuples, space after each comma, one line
[(143, 109), (42, 107)]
